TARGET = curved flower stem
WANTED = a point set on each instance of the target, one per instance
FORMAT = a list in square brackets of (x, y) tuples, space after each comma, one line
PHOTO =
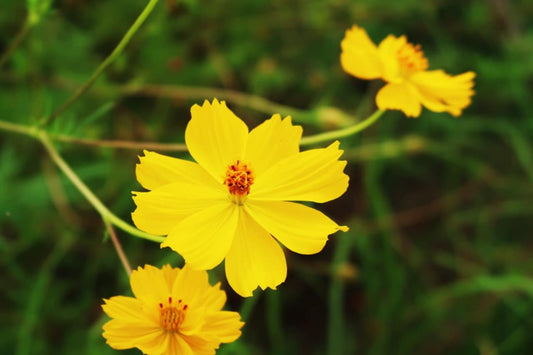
[(18, 128), (118, 247), (106, 214), (19, 37), (116, 52), (254, 102), (344, 132), (175, 147)]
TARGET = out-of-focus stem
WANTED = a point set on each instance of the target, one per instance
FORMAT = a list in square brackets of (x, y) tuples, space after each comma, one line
[(116, 52), (89, 195), (17, 40), (118, 247), (344, 132)]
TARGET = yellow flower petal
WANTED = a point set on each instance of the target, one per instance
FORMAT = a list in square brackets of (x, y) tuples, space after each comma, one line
[(125, 308), (155, 170), (360, 56), (441, 92), (121, 335), (302, 229), (170, 274), (388, 52), (255, 259), (149, 285), (402, 97), (314, 175), (224, 326), (160, 210), (215, 137), (205, 237), (272, 141), (179, 346), (190, 286), (215, 298)]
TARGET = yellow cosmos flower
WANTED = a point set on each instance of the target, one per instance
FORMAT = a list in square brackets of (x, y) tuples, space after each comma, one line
[(173, 312), (231, 202), (404, 68)]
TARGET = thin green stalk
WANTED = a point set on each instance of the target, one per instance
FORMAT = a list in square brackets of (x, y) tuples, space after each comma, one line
[(118, 247), (106, 214), (18, 128), (120, 144), (344, 132), (116, 52), (19, 37)]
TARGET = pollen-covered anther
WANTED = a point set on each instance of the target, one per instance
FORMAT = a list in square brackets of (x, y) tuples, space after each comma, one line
[(171, 316), (412, 57), (239, 178)]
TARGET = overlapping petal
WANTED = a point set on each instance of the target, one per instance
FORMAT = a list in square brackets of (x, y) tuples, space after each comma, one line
[(272, 141), (191, 286), (360, 56), (441, 92), (215, 137), (302, 229), (223, 325), (149, 285), (255, 259), (314, 175), (125, 308), (159, 210), (204, 238), (403, 96), (150, 339), (155, 170)]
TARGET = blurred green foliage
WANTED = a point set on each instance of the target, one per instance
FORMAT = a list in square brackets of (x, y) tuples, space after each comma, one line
[(439, 256)]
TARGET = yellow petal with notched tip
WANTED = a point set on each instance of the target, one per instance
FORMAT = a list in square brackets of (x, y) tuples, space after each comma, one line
[(441, 92), (270, 142), (155, 170), (360, 56), (302, 229), (255, 259), (215, 137), (314, 175)]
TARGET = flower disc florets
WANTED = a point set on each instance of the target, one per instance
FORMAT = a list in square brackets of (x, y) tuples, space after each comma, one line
[(412, 58), (171, 316), (239, 179)]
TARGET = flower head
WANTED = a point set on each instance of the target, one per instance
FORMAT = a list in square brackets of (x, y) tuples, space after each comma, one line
[(234, 199), (173, 312), (403, 66)]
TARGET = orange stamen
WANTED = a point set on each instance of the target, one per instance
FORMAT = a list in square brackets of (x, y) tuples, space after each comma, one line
[(238, 179)]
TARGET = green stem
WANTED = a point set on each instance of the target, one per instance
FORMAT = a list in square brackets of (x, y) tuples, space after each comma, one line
[(19, 37), (18, 128), (116, 52), (106, 214), (344, 132), (118, 247)]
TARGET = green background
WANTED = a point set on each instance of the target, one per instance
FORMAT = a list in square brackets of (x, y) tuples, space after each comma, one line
[(438, 259)]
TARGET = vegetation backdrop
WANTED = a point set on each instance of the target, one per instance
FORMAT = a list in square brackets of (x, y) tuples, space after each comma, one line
[(438, 259)]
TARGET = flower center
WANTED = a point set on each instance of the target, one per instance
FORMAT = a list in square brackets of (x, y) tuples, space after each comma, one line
[(411, 58), (239, 178), (171, 316)]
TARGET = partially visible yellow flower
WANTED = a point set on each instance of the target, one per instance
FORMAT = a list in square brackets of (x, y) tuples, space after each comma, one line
[(173, 312), (404, 67), (231, 202)]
